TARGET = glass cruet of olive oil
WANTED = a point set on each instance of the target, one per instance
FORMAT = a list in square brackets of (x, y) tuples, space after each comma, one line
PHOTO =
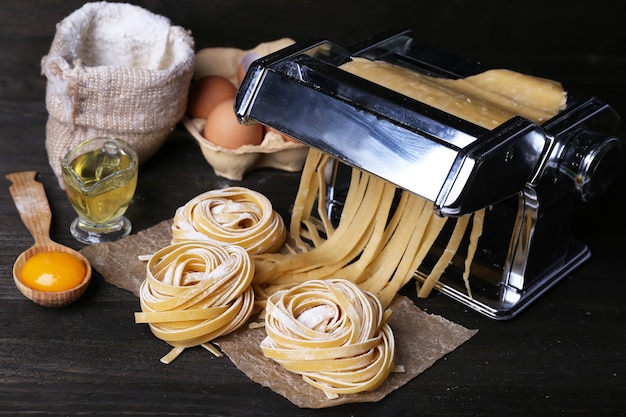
[(100, 177)]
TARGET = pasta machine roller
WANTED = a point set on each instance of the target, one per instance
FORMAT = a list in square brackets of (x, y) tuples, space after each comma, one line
[(527, 176)]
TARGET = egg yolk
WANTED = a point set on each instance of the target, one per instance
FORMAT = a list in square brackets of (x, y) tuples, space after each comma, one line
[(53, 272)]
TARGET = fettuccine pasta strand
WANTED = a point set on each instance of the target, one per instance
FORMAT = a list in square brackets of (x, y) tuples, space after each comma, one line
[(196, 291), (232, 215), (332, 333)]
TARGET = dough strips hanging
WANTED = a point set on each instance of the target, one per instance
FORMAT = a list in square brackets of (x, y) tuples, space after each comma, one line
[(376, 245), (232, 215), (332, 333), (195, 292), (379, 245)]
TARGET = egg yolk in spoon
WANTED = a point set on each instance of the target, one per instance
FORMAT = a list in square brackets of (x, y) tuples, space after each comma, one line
[(53, 272)]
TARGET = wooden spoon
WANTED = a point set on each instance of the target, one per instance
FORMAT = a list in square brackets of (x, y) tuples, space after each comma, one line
[(31, 202)]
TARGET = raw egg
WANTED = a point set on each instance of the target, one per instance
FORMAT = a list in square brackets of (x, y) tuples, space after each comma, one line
[(223, 129), (206, 93), (53, 272)]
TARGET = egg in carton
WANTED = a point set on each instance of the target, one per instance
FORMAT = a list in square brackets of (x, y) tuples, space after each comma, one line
[(274, 151)]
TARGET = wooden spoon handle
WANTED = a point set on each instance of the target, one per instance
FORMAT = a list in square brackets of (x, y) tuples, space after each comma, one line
[(31, 202)]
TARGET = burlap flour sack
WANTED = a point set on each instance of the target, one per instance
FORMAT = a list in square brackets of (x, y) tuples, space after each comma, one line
[(115, 69)]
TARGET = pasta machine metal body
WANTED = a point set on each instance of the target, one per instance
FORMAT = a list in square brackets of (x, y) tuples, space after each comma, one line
[(526, 175)]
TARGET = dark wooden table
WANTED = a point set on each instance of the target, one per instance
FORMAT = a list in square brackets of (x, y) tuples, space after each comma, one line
[(563, 356)]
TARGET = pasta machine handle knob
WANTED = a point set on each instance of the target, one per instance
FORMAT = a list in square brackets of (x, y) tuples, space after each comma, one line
[(590, 163)]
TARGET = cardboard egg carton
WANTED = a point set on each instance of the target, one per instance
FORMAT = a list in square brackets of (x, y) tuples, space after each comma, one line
[(273, 152)]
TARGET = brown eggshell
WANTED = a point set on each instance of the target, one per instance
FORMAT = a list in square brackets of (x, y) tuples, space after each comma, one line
[(208, 92), (274, 151), (223, 129)]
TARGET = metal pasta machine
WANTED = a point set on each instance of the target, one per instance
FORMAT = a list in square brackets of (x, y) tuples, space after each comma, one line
[(526, 175)]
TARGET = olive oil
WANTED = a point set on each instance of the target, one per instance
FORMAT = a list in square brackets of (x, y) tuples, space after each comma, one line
[(100, 184)]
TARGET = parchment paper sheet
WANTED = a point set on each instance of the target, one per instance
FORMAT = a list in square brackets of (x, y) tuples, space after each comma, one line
[(421, 338)]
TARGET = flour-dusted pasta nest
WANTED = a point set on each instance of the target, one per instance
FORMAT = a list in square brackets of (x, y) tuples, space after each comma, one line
[(332, 333), (231, 215), (195, 292)]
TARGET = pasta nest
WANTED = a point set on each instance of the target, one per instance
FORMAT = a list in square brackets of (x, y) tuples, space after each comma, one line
[(332, 333), (232, 215), (196, 291)]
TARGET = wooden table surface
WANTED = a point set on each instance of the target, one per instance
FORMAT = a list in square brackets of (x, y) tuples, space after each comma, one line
[(564, 355)]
